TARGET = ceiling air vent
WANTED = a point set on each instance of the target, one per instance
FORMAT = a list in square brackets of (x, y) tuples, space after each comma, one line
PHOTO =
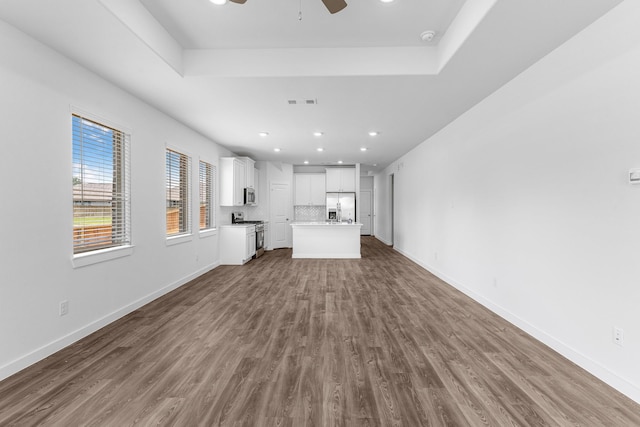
[(311, 101)]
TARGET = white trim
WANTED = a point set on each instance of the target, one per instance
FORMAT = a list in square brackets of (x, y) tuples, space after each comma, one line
[(386, 242), (101, 255), (327, 256), (66, 340), (621, 384), (101, 119), (181, 238), (207, 233)]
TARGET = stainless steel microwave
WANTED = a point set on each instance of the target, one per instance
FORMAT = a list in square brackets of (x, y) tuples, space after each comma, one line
[(249, 196)]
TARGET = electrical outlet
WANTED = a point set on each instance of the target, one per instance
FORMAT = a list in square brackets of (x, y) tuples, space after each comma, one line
[(64, 308), (618, 336)]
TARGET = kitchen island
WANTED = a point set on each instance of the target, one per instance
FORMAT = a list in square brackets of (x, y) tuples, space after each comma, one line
[(326, 240)]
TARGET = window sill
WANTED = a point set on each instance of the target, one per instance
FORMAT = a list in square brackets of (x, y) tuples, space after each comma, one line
[(208, 233), (176, 240), (90, 258)]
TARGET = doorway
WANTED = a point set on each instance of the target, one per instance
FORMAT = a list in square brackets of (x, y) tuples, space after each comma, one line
[(366, 209), (391, 200), (280, 208)]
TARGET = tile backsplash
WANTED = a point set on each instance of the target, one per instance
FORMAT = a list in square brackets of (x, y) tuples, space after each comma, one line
[(261, 212), (309, 213)]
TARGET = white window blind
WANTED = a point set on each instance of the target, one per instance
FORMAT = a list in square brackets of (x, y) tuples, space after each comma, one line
[(178, 187), (207, 182), (101, 193)]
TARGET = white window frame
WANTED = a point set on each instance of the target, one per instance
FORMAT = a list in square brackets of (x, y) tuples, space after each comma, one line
[(184, 190), (125, 246), (211, 229)]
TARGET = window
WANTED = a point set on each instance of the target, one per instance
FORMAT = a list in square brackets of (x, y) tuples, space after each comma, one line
[(101, 204), (207, 204), (178, 193)]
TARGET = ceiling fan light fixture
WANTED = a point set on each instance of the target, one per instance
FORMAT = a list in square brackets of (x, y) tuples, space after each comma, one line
[(218, 2), (334, 6)]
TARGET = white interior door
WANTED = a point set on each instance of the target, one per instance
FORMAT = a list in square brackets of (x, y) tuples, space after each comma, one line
[(280, 214), (366, 209)]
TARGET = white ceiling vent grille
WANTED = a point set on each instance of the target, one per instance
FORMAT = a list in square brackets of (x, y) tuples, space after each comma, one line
[(311, 101)]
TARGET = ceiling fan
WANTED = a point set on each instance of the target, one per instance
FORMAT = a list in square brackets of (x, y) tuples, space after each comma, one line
[(332, 5)]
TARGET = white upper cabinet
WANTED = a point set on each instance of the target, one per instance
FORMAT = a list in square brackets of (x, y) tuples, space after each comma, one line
[(250, 165), (341, 180), (256, 176), (233, 175), (309, 189)]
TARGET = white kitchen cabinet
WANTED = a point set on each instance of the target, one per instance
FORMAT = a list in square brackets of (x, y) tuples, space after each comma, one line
[(341, 180), (251, 245), (232, 181), (250, 165), (237, 244), (256, 176), (310, 189)]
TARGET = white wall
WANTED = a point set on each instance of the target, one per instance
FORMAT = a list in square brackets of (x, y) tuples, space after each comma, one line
[(38, 86), (523, 202)]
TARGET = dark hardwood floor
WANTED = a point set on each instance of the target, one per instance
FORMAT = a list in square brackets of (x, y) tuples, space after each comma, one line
[(283, 342)]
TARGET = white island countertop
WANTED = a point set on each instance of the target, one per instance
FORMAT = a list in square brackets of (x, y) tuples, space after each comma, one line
[(325, 224), (326, 239)]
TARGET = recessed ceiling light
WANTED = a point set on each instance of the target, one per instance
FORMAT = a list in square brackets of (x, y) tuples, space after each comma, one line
[(427, 36), (374, 133), (320, 149), (339, 162), (276, 150), (386, 1), (317, 134), (363, 148), (263, 134), (218, 2), (306, 162)]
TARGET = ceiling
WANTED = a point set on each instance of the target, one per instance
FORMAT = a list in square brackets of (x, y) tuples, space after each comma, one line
[(233, 71)]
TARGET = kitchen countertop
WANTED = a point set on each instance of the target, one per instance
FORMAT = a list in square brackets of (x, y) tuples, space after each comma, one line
[(326, 224)]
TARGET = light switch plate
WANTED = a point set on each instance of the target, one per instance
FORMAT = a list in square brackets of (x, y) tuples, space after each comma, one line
[(634, 176)]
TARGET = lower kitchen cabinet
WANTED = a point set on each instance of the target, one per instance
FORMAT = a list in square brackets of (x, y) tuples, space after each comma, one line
[(267, 237), (237, 244)]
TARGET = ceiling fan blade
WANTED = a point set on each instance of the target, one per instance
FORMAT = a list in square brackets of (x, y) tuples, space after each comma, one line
[(335, 5), (239, 1)]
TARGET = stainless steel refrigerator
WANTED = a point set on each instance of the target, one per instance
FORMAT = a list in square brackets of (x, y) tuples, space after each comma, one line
[(341, 203)]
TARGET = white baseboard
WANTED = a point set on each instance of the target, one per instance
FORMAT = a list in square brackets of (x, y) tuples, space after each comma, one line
[(327, 256), (47, 350), (624, 386), (385, 241)]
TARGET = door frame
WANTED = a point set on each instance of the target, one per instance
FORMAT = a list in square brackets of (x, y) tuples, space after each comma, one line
[(289, 215), (368, 190)]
